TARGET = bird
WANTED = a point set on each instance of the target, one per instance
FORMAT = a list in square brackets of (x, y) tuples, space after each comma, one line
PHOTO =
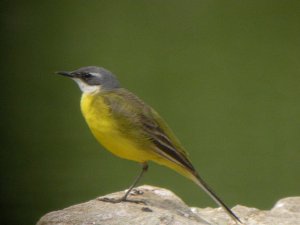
[(131, 129)]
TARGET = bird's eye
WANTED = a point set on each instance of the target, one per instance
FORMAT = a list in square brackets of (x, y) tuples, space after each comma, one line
[(86, 75)]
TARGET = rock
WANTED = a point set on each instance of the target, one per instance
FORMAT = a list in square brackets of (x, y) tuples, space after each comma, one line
[(163, 207)]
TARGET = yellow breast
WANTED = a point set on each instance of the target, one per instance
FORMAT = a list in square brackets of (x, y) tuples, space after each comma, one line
[(105, 129), (96, 113)]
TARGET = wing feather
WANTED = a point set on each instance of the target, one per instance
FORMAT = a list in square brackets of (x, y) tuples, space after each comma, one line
[(134, 113)]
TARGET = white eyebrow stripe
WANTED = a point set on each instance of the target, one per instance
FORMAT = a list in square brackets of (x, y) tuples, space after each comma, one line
[(96, 74)]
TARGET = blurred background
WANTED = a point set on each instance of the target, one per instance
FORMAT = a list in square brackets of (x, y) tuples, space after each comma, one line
[(225, 75)]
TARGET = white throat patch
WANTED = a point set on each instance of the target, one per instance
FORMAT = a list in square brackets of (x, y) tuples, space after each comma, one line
[(85, 88)]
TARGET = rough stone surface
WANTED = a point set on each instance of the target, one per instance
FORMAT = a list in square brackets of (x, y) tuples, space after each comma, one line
[(162, 207)]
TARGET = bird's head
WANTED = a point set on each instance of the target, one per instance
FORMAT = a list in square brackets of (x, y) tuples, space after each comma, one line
[(92, 78)]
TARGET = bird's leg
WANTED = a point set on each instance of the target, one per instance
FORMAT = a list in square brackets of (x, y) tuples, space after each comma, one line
[(124, 198), (137, 179)]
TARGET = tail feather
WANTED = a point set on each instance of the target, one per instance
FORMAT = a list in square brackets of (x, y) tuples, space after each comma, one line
[(202, 184)]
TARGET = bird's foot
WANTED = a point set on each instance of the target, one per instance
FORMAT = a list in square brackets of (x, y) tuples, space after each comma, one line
[(133, 192), (118, 200)]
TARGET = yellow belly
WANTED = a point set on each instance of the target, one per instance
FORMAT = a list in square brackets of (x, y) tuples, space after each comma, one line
[(105, 129)]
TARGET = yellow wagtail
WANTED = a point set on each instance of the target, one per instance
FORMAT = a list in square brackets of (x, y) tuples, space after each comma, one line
[(131, 129)]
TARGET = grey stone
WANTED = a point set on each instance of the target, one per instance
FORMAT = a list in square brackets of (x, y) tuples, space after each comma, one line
[(163, 207)]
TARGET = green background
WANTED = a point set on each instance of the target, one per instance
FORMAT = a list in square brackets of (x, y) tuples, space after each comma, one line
[(224, 74)]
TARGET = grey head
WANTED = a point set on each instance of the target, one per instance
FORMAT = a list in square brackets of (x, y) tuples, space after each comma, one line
[(92, 78)]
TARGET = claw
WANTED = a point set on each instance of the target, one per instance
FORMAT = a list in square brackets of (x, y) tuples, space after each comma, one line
[(118, 200)]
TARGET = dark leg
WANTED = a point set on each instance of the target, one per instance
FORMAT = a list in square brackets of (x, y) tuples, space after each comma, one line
[(137, 179), (124, 198)]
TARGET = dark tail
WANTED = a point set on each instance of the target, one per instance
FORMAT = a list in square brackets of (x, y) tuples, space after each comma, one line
[(201, 183)]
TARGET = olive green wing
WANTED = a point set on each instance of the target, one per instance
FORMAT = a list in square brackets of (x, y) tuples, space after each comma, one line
[(167, 144), (140, 121)]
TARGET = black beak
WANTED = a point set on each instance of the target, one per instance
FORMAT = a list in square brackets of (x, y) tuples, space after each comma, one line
[(65, 73)]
